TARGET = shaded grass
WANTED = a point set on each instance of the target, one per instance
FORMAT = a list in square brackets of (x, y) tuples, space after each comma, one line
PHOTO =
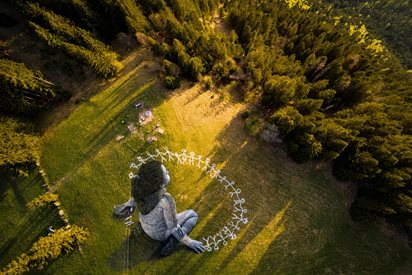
[(299, 222), (19, 226)]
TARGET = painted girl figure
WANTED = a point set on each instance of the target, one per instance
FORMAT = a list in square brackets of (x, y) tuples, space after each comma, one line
[(157, 210)]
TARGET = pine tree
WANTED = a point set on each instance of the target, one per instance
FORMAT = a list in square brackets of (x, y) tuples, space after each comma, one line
[(279, 90), (23, 90), (76, 42), (135, 19), (19, 145)]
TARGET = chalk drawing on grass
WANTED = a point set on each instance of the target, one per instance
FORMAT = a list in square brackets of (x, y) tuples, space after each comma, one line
[(228, 232)]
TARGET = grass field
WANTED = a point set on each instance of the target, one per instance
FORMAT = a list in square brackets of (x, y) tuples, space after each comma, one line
[(21, 227), (298, 217)]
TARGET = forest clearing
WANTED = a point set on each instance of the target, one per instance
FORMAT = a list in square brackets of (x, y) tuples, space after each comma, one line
[(288, 137), (307, 208)]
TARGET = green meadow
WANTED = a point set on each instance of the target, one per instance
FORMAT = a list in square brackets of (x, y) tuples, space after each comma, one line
[(298, 216)]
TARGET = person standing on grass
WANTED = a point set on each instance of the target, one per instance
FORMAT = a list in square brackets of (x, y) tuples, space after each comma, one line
[(157, 210)]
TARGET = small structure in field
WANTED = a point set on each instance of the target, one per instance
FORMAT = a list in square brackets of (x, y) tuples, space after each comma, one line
[(151, 139), (145, 117), (50, 229), (158, 129), (119, 137), (131, 128), (138, 105)]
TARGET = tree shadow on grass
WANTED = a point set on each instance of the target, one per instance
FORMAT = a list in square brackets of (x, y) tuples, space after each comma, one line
[(23, 189), (138, 79), (294, 214), (29, 231), (237, 152), (23, 226), (114, 126), (214, 210), (144, 249), (20, 186), (135, 249), (5, 183)]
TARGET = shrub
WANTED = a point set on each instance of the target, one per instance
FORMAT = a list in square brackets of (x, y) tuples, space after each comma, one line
[(208, 81), (172, 82), (19, 146), (246, 114), (254, 125), (171, 68), (43, 200)]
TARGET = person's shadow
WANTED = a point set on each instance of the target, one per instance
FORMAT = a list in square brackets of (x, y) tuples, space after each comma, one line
[(135, 249)]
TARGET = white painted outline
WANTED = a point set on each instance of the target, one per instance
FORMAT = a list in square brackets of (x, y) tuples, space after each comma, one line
[(228, 232)]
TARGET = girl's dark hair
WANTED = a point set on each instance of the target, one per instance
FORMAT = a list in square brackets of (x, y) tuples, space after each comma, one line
[(149, 179)]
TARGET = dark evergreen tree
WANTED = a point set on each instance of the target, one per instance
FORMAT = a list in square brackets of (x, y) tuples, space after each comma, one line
[(23, 90)]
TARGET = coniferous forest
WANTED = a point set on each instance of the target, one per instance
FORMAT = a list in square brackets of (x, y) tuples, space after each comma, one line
[(331, 79)]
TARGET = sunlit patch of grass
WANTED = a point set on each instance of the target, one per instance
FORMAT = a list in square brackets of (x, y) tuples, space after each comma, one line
[(249, 257)]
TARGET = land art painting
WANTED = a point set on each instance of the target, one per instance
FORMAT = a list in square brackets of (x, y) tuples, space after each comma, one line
[(214, 240)]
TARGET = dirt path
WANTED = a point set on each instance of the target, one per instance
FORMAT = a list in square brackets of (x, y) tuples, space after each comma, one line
[(219, 23)]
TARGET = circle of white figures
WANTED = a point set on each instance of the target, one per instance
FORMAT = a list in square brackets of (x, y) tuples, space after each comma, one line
[(228, 232)]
